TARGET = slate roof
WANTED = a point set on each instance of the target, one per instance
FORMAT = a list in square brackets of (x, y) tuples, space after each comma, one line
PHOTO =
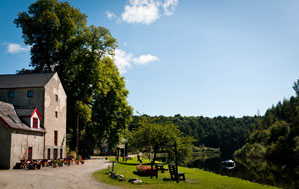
[(8, 116), (24, 112), (26, 80)]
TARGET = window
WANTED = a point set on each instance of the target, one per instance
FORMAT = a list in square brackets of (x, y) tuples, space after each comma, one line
[(49, 153), (55, 153), (56, 97), (35, 123), (56, 114), (30, 93), (30, 153), (11, 94), (61, 153), (55, 138)]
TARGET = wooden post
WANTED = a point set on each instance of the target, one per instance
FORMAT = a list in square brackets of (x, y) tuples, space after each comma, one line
[(152, 166), (112, 166), (176, 163), (77, 149)]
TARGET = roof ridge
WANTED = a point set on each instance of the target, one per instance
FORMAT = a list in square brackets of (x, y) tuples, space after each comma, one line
[(34, 73)]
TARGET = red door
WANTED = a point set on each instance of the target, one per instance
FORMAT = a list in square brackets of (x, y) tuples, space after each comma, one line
[(30, 153)]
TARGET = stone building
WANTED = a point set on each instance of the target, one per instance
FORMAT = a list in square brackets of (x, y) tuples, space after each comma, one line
[(19, 140), (45, 92)]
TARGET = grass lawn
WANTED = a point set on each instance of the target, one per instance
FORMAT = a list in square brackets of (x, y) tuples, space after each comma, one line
[(196, 178)]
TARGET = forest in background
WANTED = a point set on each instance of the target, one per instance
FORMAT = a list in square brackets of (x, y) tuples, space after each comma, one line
[(276, 136), (226, 133)]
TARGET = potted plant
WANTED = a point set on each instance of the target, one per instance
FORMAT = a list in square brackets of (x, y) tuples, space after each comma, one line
[(30, 165), (39, 165), (82, 161), (70, 158), (54, 163), (78, 159), (60, 163), (69, 162)]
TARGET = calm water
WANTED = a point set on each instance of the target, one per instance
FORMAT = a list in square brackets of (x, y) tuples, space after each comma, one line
[(263, 172)]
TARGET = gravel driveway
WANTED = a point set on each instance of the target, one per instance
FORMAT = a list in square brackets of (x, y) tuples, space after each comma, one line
[(69, 177)]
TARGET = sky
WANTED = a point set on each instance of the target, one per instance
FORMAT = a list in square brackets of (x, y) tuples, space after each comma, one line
[(189, 57)]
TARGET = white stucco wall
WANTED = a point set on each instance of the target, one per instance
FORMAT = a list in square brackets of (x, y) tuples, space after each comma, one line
[(20, 141), (51, 123)]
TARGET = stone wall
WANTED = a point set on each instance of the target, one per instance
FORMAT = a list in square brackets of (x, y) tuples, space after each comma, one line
[(5, 139), (21, 141)]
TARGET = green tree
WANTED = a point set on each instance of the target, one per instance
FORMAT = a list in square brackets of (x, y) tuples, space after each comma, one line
[(111, 112), (151, 134)]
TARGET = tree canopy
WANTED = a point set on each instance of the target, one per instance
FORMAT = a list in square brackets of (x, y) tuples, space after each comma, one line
[(226, 133), (61, 41), (151, 135), (276, 135)]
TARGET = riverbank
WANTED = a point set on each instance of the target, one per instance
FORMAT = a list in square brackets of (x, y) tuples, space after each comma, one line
[(195, 178)]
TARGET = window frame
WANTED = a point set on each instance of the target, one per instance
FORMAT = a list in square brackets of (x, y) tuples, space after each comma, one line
[(30, 93), (55, 153), (49, 153), (9, 94), (56, 138), (33, 121), (61, 152)]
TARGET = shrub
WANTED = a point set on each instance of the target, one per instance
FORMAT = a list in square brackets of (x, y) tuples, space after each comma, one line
[(145, 170)]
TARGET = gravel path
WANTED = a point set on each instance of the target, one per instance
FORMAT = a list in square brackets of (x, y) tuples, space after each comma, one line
[(67, 177)]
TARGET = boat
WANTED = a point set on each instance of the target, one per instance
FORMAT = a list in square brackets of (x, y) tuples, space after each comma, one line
[(228, 164)]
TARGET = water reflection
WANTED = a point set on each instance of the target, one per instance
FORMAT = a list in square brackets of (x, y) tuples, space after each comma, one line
[(271, 173), (260, 171)]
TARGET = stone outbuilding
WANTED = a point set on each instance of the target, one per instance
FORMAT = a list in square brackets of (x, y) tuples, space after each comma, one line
[(19, 140), (40, 101)]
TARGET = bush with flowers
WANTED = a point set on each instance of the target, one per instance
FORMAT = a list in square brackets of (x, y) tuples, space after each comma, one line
[(145, 170)]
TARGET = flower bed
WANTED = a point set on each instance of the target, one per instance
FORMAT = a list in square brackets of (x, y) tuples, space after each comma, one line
[(145, 170)]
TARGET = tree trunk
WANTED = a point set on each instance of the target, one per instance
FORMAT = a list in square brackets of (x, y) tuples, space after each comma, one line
[(155, 154)]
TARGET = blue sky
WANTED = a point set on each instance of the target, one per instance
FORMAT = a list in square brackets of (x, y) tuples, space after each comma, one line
[(192, 57)]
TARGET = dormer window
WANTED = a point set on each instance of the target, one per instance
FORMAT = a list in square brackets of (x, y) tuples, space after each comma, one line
[(35, 123), (11, 94), (30, 93)]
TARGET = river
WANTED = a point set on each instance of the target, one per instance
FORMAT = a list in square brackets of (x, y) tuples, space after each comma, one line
[(262, 171)]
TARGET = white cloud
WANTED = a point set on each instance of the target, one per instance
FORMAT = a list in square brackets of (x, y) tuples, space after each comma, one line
[(124, 60), (141, 12), (14, 48), (110, 15), (169, 6), (145, 59), (147, 11)]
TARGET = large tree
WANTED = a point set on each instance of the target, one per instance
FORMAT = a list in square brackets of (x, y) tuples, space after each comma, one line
[(61, 41)]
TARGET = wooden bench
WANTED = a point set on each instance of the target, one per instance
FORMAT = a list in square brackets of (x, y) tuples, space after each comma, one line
[(173, 170)]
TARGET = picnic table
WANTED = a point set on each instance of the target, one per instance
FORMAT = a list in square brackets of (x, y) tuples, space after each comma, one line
[(160, 167)]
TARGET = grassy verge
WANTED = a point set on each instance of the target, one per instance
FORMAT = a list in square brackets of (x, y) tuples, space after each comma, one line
[(196, 178)]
